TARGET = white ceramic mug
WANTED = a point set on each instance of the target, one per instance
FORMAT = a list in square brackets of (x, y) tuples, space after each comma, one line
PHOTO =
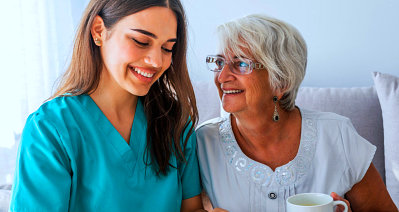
[(313, 202)]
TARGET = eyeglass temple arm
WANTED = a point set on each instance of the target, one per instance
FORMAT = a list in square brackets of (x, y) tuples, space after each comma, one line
[(210, 59), (258, 66)]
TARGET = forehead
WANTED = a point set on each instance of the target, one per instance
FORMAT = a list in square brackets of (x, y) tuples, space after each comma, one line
[(160, 21), (232, 53)]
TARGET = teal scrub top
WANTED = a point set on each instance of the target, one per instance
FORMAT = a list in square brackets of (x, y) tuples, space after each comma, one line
[(71, 158)]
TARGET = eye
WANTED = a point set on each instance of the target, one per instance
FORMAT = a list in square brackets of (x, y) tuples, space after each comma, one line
[(220, 63), (167, 50), (140, 43), (242, 64)]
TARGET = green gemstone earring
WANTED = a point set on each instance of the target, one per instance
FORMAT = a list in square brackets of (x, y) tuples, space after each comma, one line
[(97, 41)]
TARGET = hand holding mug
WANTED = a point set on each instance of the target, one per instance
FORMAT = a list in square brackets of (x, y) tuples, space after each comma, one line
[(340, 208)]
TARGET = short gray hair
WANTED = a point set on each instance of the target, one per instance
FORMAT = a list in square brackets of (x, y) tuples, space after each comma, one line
[(273, 43)]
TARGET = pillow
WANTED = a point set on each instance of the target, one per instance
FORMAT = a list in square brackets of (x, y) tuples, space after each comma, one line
[(387, 87)]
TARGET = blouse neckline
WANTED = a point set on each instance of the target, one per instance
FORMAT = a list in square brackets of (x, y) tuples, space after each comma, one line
[(261, 174)]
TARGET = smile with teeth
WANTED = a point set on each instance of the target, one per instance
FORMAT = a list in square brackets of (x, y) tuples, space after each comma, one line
[(142, 73), (232, 91)]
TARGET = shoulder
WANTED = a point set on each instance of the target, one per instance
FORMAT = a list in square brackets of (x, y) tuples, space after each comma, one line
[(53, 114), (56, 106), (209, 129), (335, 131), (325, 120), (46, 128), (210, 124), (208, 133), (323, 116), (339, 141), (330, 129)]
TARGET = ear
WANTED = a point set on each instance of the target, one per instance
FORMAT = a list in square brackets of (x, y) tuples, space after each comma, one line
[(98, 30), (280, 93)]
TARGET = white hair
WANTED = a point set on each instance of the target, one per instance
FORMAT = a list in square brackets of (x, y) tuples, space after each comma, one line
[(275, 44)]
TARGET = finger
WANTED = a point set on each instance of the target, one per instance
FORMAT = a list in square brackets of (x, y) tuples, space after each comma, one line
[(340, 208), (335, 196)]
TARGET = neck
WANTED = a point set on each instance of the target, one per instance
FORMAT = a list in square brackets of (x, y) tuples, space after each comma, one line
[(255, 131), (112, 99)]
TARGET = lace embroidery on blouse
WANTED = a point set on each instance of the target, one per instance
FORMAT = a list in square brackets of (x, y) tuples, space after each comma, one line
[(261, 174)]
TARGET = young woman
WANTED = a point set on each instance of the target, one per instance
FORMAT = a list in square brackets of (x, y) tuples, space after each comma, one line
[(118, 133)]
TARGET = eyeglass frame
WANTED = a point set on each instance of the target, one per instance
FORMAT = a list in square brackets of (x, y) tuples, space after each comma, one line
[(252, 65)]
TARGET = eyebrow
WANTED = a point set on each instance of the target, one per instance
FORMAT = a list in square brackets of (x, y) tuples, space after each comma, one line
[(145, 32), (235, 57)]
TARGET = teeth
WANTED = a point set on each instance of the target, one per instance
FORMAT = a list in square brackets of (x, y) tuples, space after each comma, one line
[(142, 73), (232, 91)]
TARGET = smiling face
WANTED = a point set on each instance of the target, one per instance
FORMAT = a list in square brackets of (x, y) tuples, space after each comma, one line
[(244, 93), (138, 49)]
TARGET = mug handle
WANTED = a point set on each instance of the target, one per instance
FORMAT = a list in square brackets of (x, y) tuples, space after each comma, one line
[(339, 202)]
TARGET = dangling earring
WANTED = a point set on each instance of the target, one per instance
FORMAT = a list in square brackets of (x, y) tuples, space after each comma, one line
[(97, 41), (276, 117)]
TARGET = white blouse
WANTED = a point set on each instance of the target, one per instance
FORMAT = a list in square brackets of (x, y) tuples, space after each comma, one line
[(331, 157)]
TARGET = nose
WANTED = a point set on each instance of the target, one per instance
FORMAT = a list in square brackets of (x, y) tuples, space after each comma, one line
[(224, 75), (154, 58)]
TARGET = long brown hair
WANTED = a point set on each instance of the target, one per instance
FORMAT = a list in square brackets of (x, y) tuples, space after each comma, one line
[(170, 105)]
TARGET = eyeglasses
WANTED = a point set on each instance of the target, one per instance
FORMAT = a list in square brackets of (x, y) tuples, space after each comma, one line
[(238, 66)]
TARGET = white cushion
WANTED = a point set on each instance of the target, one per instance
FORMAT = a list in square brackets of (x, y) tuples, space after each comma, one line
[(387, 87)]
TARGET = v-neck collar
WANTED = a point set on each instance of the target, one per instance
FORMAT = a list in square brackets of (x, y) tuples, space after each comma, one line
[(128, 152), (139, 128)]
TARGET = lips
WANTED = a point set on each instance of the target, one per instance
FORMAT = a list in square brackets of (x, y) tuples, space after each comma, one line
[(142, 72), (232, 91)]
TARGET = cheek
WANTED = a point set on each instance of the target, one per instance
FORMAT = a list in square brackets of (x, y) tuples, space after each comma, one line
[(167, 61), (216, 81), (126, 50), (119, 55), (130, 53), (215, 78), (260, 91)]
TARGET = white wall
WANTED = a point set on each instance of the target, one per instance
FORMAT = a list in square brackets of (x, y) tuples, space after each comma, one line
[(347, 39)]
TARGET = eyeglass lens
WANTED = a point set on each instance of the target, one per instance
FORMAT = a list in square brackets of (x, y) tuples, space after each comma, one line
[(238, 66)]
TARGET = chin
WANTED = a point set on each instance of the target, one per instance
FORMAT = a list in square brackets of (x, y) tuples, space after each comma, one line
[(141, 92), (230, 108)]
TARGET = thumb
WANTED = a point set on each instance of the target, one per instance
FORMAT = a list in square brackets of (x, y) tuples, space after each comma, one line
[(335, 196)]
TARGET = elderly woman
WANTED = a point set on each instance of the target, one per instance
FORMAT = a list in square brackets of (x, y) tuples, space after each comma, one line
[(268, 149)]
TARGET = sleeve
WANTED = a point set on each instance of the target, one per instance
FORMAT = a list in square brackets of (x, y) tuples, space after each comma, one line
[(42, 174), (189, 171), (358, 152)]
